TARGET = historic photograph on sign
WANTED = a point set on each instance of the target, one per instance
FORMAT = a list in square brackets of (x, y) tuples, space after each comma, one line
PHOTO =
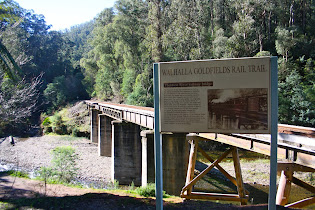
[(238, 109)]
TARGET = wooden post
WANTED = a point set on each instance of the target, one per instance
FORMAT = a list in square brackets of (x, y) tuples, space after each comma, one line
[(287, 178), (238, 175), (191, 164), (284, 187)]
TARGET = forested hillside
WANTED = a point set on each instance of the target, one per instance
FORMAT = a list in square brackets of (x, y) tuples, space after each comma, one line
[(111, 57), (129, 38)]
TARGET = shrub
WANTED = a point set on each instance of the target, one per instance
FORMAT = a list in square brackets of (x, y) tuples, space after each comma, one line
[(72, 120), (46, 174), (116, 184), (148, 191), (64, 163), (46, 125), (58, 125), (64, 169), (75, 131)]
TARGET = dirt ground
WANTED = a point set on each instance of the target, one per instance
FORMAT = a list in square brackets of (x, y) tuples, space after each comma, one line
[(19, 193)]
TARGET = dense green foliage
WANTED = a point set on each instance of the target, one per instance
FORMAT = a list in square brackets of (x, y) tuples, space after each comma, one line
[(111, 57), (72, 120), (130, 37)]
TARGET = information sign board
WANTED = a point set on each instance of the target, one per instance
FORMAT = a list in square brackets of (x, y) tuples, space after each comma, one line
[(222, 96)]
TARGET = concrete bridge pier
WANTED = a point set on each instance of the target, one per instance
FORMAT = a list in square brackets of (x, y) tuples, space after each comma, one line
[(94, 125), (126, 153), (104, 135), (148, 164), (175, 153)]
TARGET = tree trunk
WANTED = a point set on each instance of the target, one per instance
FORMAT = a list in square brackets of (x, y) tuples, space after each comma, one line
[(156, 30)]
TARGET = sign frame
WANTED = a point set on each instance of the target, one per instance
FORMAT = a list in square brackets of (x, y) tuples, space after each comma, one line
[(272, 129), (219, 95)]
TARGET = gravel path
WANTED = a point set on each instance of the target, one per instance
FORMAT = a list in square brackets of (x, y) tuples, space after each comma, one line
[(32, 153)]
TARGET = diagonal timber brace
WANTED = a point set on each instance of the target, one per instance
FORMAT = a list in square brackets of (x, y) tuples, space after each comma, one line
[(187, 193)]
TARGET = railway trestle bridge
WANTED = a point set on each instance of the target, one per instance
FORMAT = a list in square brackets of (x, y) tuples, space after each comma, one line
[(125, 133)]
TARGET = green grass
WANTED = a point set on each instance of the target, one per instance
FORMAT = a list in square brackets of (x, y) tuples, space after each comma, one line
[(20, 174), (256, 175), (25, 175), (6, 205), (257, 160), (50, 180), (147, 191)]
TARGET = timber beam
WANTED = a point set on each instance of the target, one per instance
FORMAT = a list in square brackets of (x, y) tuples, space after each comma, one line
[(286, 179)]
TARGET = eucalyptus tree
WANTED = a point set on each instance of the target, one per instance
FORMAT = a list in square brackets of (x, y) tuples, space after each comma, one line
[(131, 23), (294, 106), (8, 65), (187, 36), (119, 54), (222, 14), (263, 14), (285, 42), (102, 47), (77, 37), (156, 7), (243, 42), (127, 39), (220, 44)]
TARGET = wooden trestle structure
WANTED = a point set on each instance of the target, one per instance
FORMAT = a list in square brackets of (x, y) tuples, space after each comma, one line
[(187, 193), (285, 170)]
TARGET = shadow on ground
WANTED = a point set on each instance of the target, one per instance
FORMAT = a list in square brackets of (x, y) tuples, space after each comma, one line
[(86, 201), (216, 182), (14, 197), (109, 201)]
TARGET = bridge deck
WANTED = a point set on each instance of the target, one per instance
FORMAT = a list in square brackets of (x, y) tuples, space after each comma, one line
[(143, 116), (293, 153)]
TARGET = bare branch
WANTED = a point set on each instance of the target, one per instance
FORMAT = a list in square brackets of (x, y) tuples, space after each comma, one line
[(18, 102)]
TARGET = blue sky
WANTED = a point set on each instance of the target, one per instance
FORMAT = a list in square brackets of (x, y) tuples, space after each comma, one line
[(62, 14)]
